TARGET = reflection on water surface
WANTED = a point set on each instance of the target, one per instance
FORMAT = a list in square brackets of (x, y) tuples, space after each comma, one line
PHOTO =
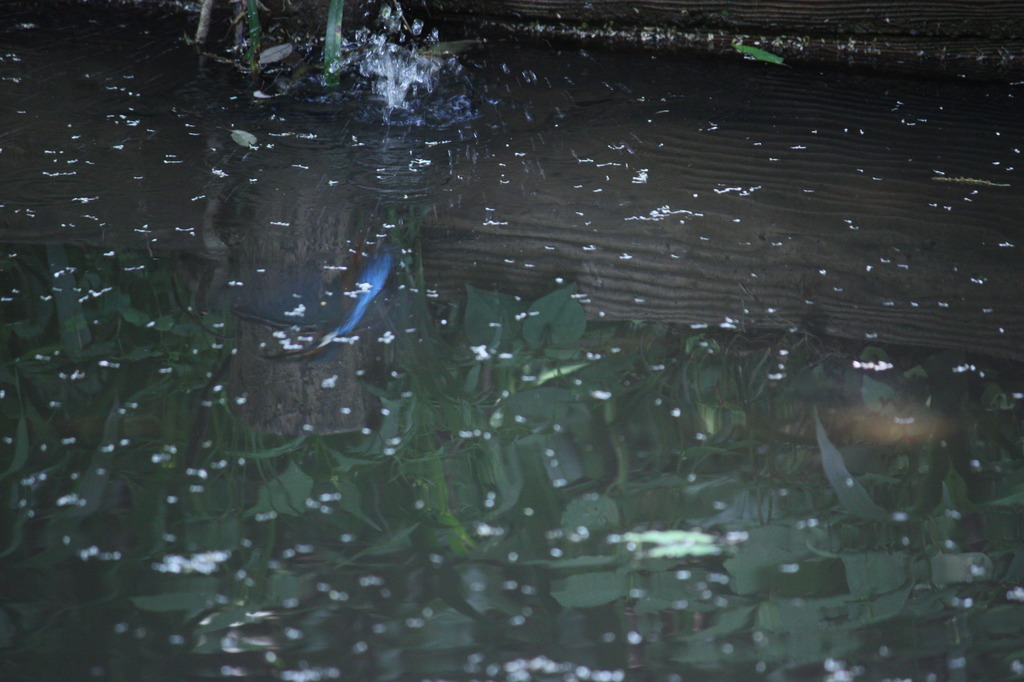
[(683, 370)]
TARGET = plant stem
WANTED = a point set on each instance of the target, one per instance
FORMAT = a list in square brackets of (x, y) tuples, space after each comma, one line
[(332, 42), (255, 34), (203, 27)]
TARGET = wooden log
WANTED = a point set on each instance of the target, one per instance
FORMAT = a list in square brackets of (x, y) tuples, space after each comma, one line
[(952, 18), (979, 39)]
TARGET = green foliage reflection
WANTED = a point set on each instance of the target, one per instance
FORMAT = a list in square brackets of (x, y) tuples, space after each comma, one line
[(636, 494)]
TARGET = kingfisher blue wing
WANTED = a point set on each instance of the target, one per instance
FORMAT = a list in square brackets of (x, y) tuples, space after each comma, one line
[(370, 282)]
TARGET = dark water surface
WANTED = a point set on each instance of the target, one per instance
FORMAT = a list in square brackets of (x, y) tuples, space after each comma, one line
[(682, 370)]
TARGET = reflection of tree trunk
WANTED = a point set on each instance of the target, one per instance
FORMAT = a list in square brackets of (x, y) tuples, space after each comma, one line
[(293, 397), (285, 271)]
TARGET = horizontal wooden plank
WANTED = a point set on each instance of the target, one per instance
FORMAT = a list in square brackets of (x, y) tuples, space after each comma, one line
[(965, 37), (712, 285), (990, 19), (974, 57)]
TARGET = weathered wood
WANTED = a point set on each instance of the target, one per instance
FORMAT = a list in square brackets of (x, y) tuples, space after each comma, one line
[(807, 205), (271, 275), (982, 39), (756, 286), (953, 18)]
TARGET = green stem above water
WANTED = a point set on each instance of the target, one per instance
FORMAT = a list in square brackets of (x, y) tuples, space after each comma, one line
[(255, 33), (332, 42)]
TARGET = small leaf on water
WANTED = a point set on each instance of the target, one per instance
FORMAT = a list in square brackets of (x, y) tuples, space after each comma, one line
[(276, 53), (243, 138), (758, 54)]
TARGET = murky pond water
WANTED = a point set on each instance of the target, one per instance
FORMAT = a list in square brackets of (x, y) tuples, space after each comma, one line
[(582, 366)]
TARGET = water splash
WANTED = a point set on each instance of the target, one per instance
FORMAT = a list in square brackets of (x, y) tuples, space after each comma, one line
[(399, 74)]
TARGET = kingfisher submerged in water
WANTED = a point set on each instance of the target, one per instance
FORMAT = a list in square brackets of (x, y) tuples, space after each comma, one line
[(368, 284)]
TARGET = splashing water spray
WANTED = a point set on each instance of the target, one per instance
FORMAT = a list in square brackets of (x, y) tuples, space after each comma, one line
[(398, 72)]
